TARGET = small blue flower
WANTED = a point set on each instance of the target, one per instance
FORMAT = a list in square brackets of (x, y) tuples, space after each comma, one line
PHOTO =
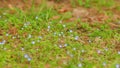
[(76, 37), (117, 65), (26, 55), (33, 42), (2, 42), (65, 45), (29, 59), (106, 49)]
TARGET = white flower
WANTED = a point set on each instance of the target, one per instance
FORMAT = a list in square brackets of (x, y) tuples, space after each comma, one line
[(82, 51), (64, 26), (38, 40), (13, 37), (55, 33), (104, 63), (40, 37), (22, 28), (98, 51), (60, 46), (7, 34), (60, 21), (89, 41), (80, 65), (29, 36), (22, 49), (74, 48), (36, 17), (62, 33), (48, 27), (71, 31), (59, 34)]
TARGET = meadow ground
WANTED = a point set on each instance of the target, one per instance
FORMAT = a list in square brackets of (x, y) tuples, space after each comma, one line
[(59, 34)]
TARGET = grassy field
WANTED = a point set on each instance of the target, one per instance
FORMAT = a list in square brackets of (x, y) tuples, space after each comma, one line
[(46, 37)]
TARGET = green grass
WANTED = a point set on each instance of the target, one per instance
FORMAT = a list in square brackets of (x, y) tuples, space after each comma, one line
[(39, 42)]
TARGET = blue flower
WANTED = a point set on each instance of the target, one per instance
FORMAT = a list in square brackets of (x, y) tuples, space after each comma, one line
[(2, 42), (117, 65), (76, 37), (26, 56), (29, 59), (33, 42)]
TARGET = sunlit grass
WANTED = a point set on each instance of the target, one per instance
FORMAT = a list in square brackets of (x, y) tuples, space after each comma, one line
[(32, 39)]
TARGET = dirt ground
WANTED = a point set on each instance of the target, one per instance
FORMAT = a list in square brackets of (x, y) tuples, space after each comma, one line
[(65, 6), (22, 4)]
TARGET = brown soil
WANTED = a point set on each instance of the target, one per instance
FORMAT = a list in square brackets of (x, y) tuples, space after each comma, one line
[(22, 4)]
